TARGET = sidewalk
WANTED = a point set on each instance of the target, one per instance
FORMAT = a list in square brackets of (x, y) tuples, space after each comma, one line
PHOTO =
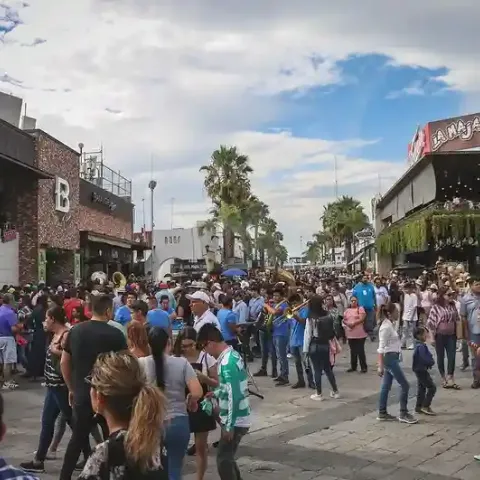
[(293, 437)]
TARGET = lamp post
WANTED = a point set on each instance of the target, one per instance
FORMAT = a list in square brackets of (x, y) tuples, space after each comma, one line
[(151, 185)]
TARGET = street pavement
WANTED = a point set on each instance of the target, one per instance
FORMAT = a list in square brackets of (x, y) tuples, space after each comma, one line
[(294, 437)]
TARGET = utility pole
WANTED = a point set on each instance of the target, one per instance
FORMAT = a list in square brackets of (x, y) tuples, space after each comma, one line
[(143, 215), (172, 203), (151, 185)]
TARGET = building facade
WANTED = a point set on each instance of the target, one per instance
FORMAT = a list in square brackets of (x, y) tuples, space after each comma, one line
[(56, 225), (183, 250), (433, 209)]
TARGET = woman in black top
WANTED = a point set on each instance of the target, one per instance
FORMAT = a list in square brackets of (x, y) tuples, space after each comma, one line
[(134, 412), (56, 394), (319, 331)]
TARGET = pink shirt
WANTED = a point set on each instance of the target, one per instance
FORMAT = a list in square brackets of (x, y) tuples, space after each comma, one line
[(351, 316)]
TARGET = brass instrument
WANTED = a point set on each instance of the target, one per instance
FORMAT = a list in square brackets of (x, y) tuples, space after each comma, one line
[(290, 311), (99, 277), (119, 280)]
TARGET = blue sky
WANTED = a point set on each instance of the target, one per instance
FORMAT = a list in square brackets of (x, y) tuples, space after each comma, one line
[(292, 84)]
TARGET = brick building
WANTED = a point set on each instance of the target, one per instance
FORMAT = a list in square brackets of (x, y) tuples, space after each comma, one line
[(58, 221)]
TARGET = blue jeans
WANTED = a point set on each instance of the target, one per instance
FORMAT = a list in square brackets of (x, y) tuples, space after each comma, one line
[(393, 370), (268, 349), (281, 347), (370, 321), (56, 402), (297, 354), (446, 344), (177, 436)]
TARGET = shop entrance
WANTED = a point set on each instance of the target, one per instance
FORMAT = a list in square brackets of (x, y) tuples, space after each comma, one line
[(60, 266)]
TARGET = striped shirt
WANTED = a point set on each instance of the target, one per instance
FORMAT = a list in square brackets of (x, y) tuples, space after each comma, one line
[(52, 372), (232, 392), (442, 320), (8, 472)]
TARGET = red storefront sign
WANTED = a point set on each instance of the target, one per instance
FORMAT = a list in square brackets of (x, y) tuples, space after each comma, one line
[(420, 144), (453, 134)]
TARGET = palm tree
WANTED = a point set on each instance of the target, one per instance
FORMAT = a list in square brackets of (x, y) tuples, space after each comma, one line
[(341, 220), (258, 212), (312, 253), (227, 183)]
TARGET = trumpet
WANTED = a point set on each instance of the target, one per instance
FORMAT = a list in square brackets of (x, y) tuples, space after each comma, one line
[(290, 311)]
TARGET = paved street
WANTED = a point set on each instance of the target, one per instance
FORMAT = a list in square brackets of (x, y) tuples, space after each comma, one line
[(296, 438)]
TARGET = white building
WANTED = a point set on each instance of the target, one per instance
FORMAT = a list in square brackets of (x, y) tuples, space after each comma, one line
[(183, 249)]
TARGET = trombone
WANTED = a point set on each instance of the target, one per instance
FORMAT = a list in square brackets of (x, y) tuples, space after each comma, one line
[(290, 311)]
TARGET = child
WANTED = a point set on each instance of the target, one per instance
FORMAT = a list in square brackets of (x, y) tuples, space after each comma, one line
[(422, 362)]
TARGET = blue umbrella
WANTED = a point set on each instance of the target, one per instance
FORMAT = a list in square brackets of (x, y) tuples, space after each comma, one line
[(234, 272)]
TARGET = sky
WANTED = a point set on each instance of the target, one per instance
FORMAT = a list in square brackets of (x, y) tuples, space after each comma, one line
[(297, 86)]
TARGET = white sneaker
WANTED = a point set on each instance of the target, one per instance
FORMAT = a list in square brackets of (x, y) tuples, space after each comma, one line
[(9, 386), (335, 395), (289, 355), (317, 397), (410, 347)]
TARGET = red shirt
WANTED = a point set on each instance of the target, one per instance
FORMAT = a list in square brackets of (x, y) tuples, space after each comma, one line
[(69, 305)]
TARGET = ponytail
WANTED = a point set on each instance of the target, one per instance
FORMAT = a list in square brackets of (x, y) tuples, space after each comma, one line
[(142, 442), (158, 339)]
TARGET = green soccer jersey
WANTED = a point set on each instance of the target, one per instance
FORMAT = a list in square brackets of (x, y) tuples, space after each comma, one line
[(232, 392)]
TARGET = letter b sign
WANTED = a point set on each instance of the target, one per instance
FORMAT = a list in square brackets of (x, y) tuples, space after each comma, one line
[(62, 193)]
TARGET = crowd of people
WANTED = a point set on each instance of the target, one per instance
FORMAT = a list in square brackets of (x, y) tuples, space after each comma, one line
[(141, 370)]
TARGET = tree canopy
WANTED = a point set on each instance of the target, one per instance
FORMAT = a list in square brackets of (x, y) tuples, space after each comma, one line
[(237, 212)]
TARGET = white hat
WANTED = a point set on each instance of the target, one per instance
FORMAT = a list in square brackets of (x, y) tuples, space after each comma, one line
[(433, 287), (244, 284), (199, 295)]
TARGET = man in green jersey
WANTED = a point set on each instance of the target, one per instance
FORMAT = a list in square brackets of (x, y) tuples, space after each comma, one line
[(232, 396)]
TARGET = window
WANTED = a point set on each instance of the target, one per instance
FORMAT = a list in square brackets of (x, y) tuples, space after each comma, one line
[(175, 239), (169, 239), (166, 240), (178, 239)]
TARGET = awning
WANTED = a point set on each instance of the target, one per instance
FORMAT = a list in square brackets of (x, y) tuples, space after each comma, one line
[(36, 171), (114, 242), (356, 258)]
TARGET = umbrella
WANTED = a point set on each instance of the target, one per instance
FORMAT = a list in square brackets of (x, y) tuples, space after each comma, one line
[(234, 272)]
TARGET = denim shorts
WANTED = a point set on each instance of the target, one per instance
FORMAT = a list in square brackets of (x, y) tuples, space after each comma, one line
[(8, 350)]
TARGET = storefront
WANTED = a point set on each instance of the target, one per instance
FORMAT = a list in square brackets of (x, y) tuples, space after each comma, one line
[(57, 219), (19, 185), (433, 210), (106, 231)]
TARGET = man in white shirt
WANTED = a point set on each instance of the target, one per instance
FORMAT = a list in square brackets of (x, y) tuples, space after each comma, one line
[(240, 307), (200, 305), (410, 316)]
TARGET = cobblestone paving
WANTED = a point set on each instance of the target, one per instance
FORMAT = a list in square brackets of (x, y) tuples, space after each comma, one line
[(295, 438)]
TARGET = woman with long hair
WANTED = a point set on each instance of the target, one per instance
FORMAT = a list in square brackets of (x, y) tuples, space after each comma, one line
[(389, 367), (134, 412), (173, 375), (78, 315), (56, 395), (137, 339), (332, 308), (319, 331), (206, 368), (353, 323), (442, 322)]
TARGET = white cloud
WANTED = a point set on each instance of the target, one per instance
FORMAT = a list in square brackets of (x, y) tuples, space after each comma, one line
[(176, 79)]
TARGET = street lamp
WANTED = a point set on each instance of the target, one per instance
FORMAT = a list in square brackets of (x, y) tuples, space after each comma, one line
[(151, 185)]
